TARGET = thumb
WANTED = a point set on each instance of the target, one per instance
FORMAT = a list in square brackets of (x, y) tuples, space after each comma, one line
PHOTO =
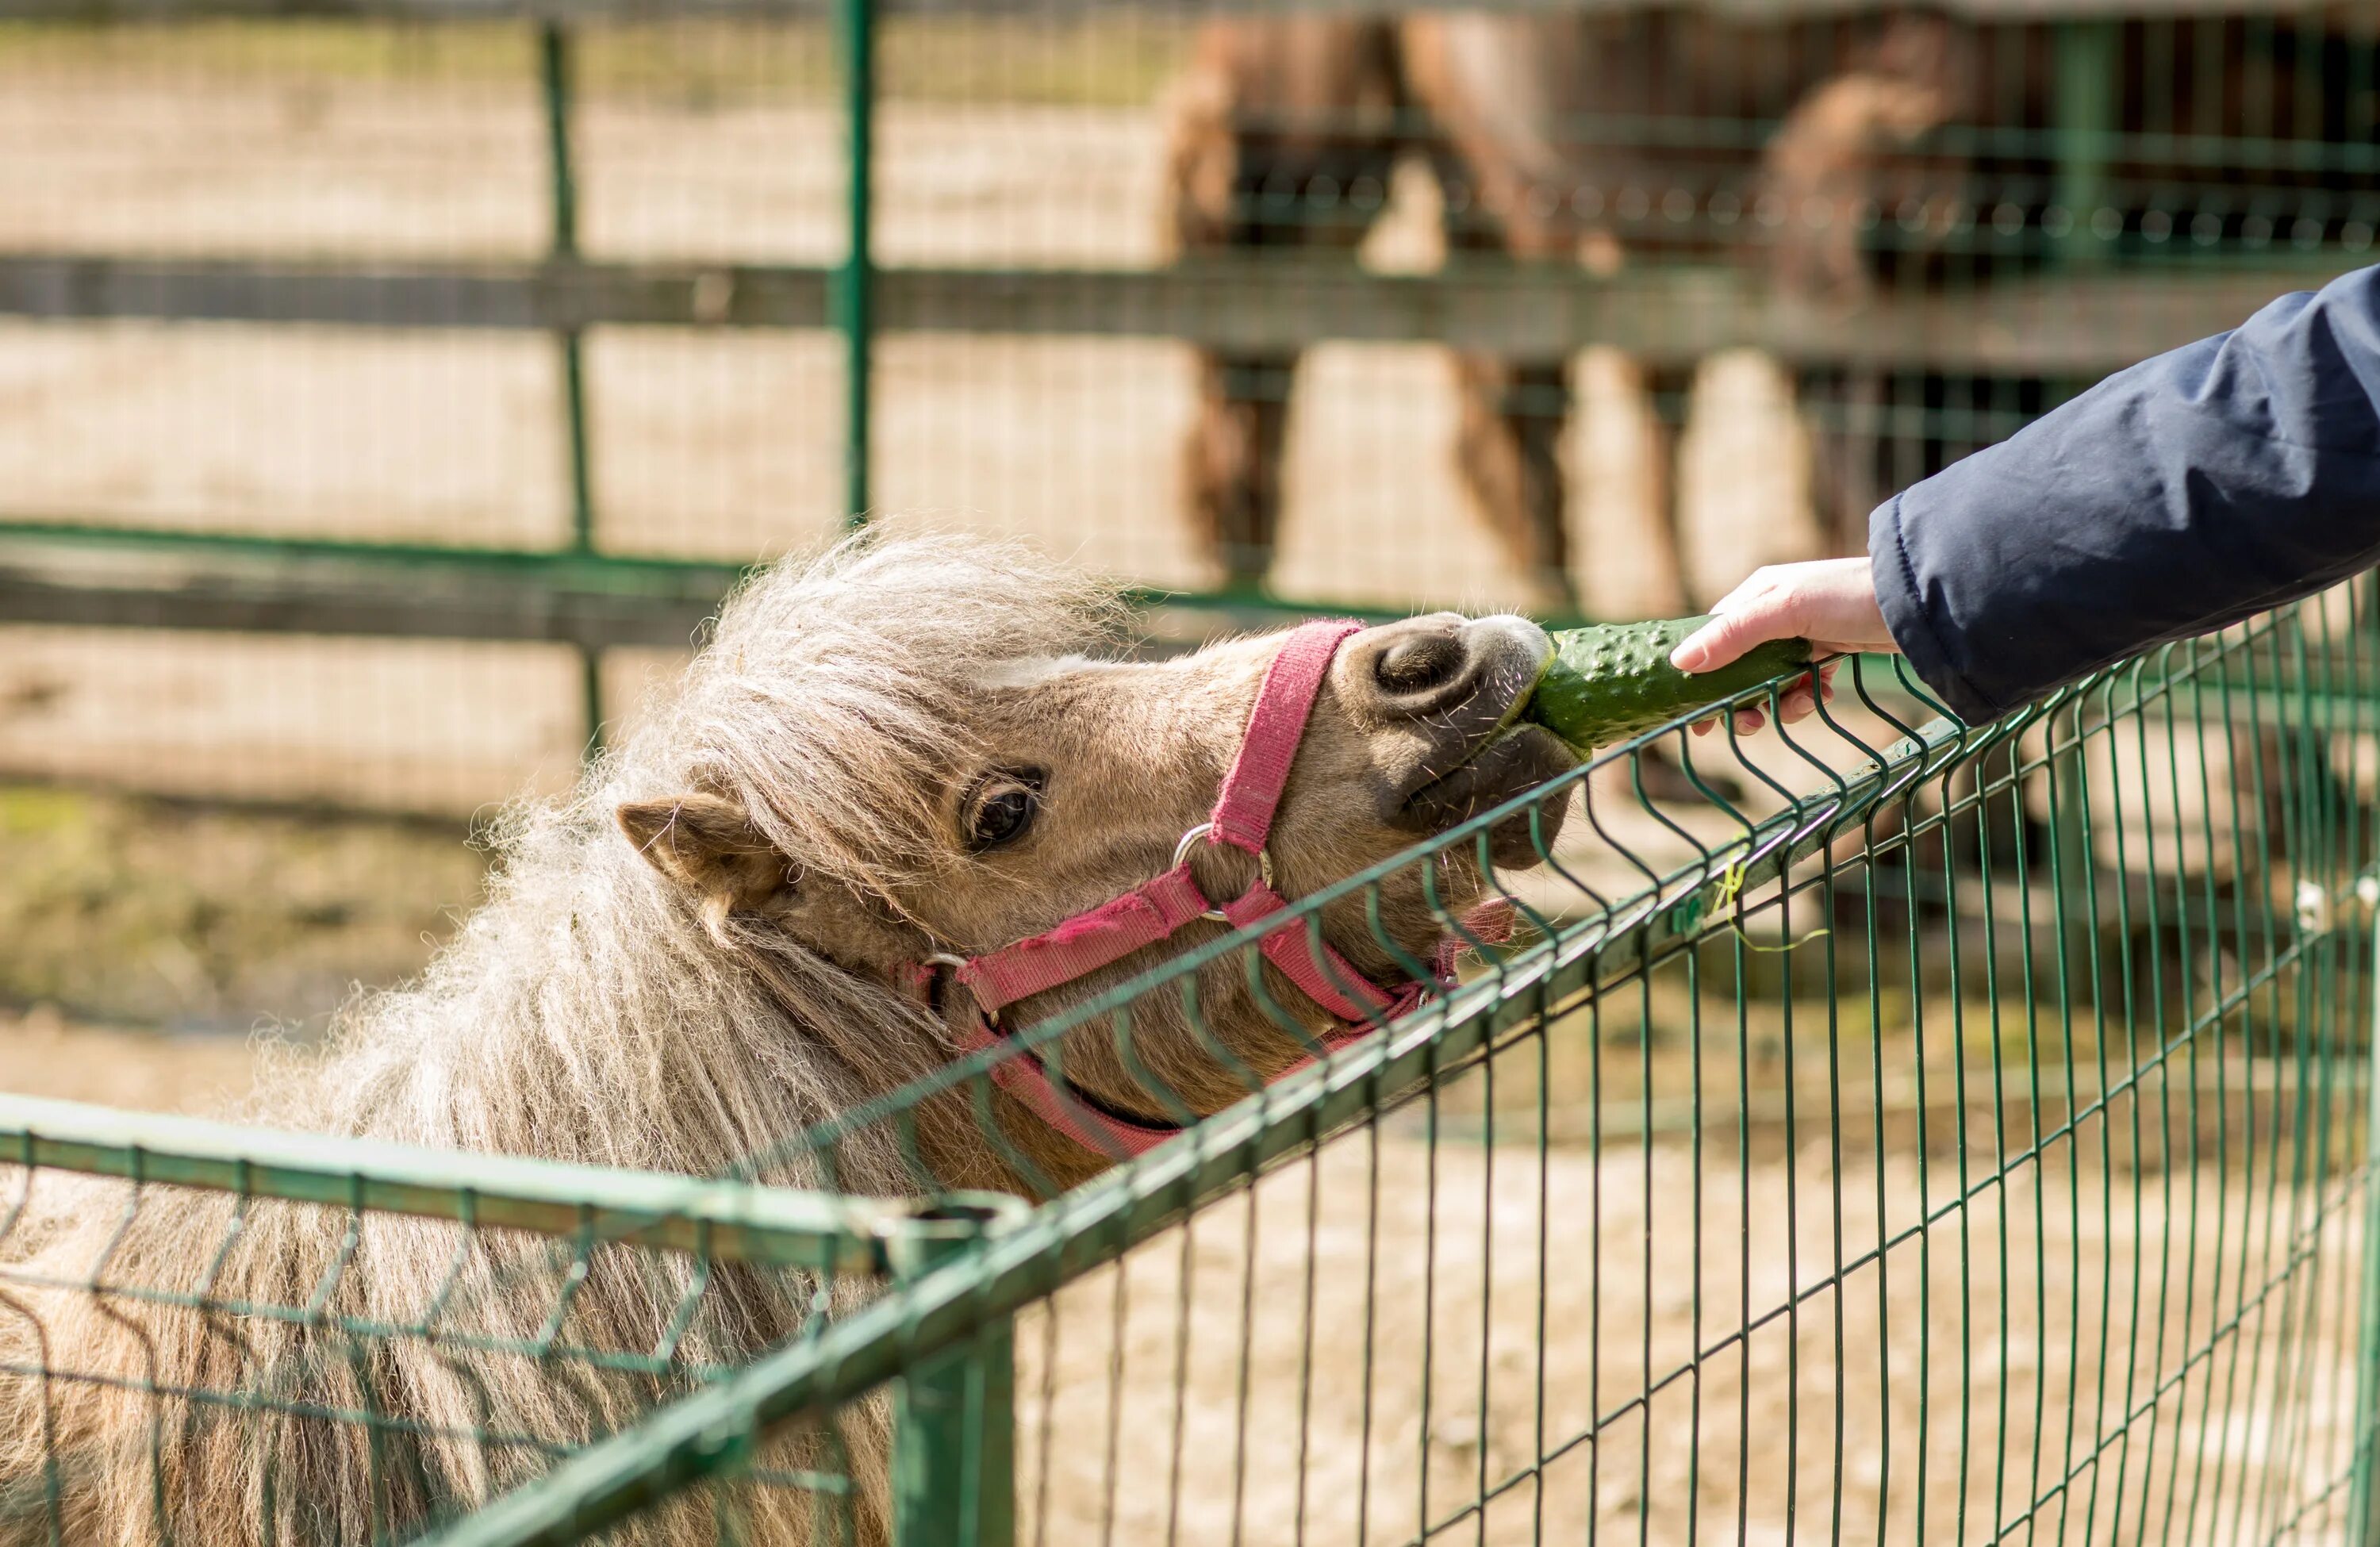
[(1725, 638)]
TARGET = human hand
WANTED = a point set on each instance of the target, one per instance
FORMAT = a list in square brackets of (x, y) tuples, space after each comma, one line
[(1831, 602)]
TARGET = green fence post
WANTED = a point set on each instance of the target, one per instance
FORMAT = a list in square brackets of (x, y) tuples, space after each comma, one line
[(2363, 1507), (855, 282), (2088, 76), (553, 68), (955, 1414)]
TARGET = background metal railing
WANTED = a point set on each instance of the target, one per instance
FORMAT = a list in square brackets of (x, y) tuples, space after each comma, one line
[(2092, 189)]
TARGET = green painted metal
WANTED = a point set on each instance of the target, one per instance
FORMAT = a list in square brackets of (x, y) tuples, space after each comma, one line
[(731, 1220), (243, 581), (553, 80), (1671, 315), (2087, 73), (955, 1414), (855, 282), (562, 180), (2363, 1497)]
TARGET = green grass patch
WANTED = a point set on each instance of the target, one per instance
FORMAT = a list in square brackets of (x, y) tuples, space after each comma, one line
[(142, 912)]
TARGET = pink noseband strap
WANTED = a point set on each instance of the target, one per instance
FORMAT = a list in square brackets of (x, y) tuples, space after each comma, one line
[(1252, 789), (1084, 944)]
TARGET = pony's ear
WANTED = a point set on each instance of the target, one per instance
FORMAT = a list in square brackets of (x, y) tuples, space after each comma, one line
[(708, 846)]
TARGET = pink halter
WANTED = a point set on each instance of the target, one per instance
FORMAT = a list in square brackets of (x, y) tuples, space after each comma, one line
[(1154, 909)]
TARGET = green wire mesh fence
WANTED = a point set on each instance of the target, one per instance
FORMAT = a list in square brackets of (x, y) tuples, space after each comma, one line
[(1928, 1132)]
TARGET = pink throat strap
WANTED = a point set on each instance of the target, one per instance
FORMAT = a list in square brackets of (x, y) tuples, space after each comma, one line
[(1156, 909)]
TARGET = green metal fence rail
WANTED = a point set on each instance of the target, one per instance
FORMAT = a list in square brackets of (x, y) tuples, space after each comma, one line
[(732, 1222)]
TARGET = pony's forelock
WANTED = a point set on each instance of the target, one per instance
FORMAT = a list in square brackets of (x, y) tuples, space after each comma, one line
[(833, 700)]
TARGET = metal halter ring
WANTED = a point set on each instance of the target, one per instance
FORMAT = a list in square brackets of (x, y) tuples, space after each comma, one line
[(1182, 852), (945, 959)]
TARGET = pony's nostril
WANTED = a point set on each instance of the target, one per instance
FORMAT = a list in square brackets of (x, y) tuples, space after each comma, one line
[(1420, 662)]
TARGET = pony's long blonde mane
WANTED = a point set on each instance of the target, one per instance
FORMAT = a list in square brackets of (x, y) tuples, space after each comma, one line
[(584, 1013)]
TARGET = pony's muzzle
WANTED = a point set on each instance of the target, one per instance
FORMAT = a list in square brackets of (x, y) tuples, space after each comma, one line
[(1451, 688)]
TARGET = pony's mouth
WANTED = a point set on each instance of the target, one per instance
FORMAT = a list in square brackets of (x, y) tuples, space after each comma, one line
[(1486, 754), (1509, 761)]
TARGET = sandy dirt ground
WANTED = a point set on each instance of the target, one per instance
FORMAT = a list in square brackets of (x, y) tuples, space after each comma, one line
[(43, 1053), (215, 921), (1381, 1339)]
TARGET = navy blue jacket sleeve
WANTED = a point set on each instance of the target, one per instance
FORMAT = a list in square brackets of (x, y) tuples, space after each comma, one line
[(2186, 492)]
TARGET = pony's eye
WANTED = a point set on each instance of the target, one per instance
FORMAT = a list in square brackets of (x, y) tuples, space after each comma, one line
[(1003, 809)]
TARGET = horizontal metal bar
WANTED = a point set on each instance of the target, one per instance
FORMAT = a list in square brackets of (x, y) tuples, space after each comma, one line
[(543, 294), (137, 577), (643, 10), (2077, 324), (1097, 1223), (782, 1227)]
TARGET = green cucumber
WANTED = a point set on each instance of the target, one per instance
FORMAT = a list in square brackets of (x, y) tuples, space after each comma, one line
[(1614, 680)]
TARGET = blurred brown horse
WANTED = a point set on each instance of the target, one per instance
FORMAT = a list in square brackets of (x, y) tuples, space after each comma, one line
[(1819, 148), (1554, 138)]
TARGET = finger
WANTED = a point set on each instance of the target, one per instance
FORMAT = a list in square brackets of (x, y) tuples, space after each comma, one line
[(1802, 697), (1703, 727), (1749, 721), (1727, 636)]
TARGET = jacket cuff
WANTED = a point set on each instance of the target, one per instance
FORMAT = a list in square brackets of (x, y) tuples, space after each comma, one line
[(1912, 622)]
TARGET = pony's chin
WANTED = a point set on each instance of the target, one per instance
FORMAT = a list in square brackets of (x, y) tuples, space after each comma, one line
[(1512, 762)]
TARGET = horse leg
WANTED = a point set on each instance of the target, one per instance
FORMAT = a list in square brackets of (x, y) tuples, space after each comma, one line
[(1508, 447), (1281, 134), (1232, 461), (1851, 456)]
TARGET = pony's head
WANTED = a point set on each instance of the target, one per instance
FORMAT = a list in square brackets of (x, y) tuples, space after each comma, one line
[(901, 761)]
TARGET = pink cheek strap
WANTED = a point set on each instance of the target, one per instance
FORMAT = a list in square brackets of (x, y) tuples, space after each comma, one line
[(1140, 917)]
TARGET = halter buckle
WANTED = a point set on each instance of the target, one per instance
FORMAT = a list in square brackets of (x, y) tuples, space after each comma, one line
[(1182, 852)]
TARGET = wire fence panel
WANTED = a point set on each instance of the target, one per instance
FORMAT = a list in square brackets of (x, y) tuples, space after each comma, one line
[(265, 1336), (1940, 1131), (1939, 1147), (1577, 309)]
